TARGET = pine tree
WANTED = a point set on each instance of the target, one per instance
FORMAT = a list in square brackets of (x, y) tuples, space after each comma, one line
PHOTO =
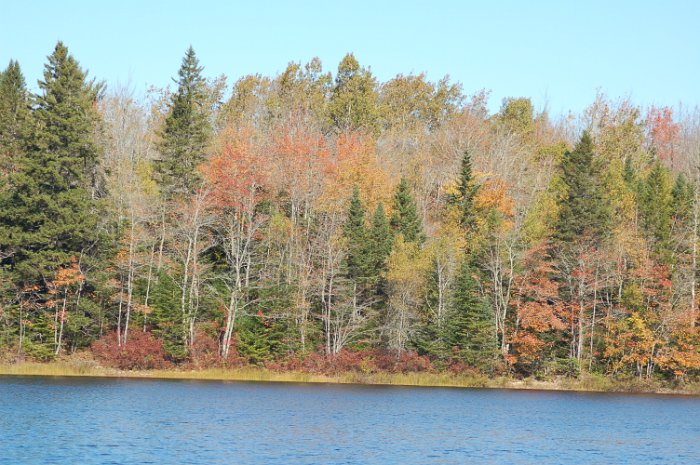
[(467, 189), (186, 132), (355, 232), (583, 210), (380, 238), (656, 209), (682, 203), (379, 244), (405, 220), (471, 325), (50, 212), (14, 116)]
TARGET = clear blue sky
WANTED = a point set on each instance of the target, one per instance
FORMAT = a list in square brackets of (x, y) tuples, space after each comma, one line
[(556, 52)]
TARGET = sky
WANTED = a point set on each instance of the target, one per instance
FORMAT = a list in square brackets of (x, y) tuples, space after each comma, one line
[(558, 53)]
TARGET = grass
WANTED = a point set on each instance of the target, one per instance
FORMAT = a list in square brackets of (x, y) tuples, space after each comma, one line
[(589, 383)]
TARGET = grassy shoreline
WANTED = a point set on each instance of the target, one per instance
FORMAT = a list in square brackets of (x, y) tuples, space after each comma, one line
[(585, 383)]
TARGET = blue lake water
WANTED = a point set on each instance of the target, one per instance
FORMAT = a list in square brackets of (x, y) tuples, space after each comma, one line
[(122, 421)]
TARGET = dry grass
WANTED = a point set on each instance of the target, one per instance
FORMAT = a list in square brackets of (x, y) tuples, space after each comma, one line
[(591, 383)]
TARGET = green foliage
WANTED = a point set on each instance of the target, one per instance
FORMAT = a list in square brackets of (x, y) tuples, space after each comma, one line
[(471, 323), (355, 232), (14, 116), (583, 210), (413, 103), (467, 188), (261, 338), (405, 219), (166, 317), (50, 212), (353, 103), (683, 194), (656, 209), (517, 116), (380, 240), (186, 131)]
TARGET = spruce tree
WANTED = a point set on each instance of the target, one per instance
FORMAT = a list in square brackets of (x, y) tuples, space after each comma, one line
[(682, 195), (471, 324), (186, 131), (14, 116), (467, 189), (405, 219), (380, 238), (583, 210), (656, 209), (355, 232), (379, 244), (49, 213)]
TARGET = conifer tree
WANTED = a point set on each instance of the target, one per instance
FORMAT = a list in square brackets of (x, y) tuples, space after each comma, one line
[(380, 238), (14, 115), (50, 213), (186, 131), (682, 195), (471, 325), (405, 220), (583, 210), (629, 174), (355, 233), (656, 208), (467, 189)]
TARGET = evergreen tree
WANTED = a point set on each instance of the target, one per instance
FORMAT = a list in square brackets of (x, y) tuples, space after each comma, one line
[(629, 173), (50, 212), (682, 203), (405, 220), (186, 132), (14, 116), (466, 192), (471, 324), (583, 210), (656, 209), (380, 238), (355, 232)]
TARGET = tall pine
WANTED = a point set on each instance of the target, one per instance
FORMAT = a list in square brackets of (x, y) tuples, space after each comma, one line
[(583, 209), (656, 205), (405, 219), (471, 324), (186, 131), (355, 232), (14, 116), (467, 188), (380, 238), (49, 213)]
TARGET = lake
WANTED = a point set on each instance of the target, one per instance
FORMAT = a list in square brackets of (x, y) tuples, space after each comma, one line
[(122, 421)]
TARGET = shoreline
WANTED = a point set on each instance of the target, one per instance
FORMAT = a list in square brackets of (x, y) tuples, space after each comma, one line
[(584, 384)]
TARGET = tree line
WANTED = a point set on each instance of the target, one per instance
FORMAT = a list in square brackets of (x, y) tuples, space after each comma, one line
[(309, 217)]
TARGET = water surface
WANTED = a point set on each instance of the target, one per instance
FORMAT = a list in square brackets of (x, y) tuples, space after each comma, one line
[(121, 421)]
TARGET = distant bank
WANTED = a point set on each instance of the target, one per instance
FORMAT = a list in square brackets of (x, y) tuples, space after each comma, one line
[(585, 383)]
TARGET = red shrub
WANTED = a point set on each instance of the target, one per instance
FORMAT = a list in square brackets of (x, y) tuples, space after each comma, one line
[(141, 352), (204, 352), (363, 361)]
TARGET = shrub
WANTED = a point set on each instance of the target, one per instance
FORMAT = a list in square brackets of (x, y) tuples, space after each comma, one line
[(361, 361), (204, 352), (141, 352)]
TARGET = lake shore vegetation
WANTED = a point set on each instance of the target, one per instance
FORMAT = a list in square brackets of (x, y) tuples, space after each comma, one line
[(317, 226)]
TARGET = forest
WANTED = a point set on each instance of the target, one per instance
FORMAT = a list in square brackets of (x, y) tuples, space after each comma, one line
[(328, 222)]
